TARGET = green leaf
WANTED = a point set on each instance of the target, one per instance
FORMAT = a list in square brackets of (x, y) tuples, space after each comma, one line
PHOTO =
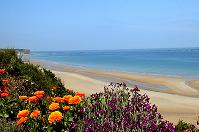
[(5, 115), (49, 129), (70, 119)]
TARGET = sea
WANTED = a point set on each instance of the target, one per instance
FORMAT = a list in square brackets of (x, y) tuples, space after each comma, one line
[(183, 62)]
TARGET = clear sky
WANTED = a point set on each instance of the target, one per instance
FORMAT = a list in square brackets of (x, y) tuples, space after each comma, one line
[(98, 24)]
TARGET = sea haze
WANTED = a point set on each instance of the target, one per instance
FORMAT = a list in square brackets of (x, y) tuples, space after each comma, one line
[(176, 62)]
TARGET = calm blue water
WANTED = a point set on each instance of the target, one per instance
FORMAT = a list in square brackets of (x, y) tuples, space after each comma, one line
[(177, 62)]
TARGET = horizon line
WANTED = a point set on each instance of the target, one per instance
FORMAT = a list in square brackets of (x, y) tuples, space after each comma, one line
[(164, 48)]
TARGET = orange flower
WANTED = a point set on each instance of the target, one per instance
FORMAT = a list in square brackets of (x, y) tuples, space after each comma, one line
[(22, 120), (186, 130), (39, 94), (74, 100), (80, 94), (58, 99), (33, 99), (23, 113), (55, 117), (48, 98), (4, 94), (54, 88), (3, 89), (3, 70), (67, 97), (35, 114), (5, 80), (23, 97), (66, 108), (54, 106)]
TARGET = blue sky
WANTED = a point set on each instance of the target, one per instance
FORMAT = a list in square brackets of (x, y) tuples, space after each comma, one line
[(98, 24)]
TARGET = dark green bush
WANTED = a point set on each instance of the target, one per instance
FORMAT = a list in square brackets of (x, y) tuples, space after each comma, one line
[(7, 125), (28, 77), (8, 57), (182, 126)]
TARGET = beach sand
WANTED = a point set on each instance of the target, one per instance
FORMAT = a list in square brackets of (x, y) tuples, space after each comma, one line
[(179, 101)]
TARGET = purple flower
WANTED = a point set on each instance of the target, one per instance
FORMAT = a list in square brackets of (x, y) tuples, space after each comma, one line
[(135, 89), (118, 109)]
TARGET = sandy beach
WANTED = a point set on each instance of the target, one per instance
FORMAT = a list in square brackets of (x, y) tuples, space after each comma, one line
[(177, 99)]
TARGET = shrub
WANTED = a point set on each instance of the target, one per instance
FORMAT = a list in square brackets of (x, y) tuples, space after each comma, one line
[(7, 125), (18, 78), (27, 77), (41, 113), (119, 109), (183, 126), (8, 57)]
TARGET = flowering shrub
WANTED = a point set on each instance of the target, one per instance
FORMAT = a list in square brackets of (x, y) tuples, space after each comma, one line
[(43, 112), (120, 109), (18, 82), (5, 96)]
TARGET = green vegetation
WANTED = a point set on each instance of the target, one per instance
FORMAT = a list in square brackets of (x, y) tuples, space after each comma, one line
[(182, 126), (23, 79)]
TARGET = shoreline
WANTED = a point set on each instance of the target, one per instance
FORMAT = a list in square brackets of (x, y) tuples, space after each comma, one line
[(54, 64), (159, 83), (179, 101)]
